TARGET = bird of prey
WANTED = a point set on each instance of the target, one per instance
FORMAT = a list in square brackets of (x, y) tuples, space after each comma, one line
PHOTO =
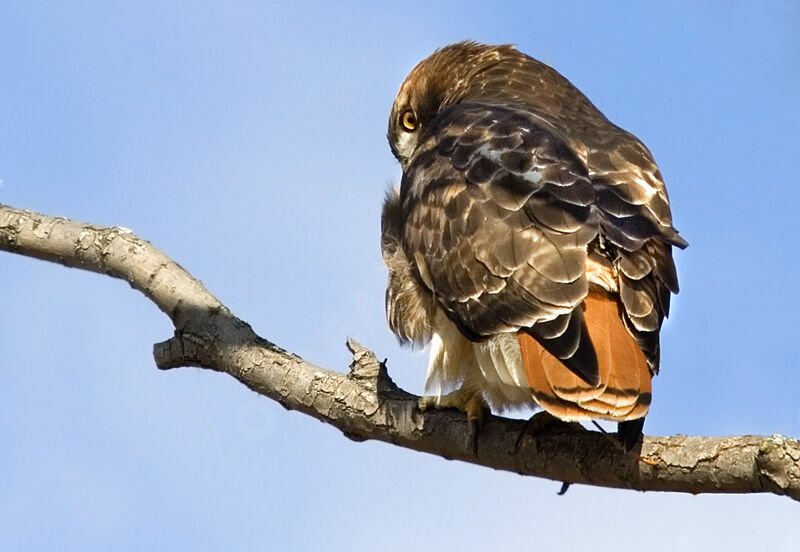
[(530, 241)]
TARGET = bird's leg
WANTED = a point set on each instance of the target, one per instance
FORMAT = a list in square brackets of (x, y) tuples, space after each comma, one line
[(543, 421), (467, 400)]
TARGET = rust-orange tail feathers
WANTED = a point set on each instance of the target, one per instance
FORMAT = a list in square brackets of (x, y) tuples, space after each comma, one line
[(623, 392)]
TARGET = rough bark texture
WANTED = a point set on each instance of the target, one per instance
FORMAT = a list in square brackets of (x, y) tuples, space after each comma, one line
[(366, 404)]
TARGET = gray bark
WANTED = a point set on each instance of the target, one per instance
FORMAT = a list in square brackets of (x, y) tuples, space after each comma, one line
[(365, 404)]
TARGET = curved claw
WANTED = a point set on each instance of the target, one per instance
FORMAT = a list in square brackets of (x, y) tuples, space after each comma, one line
[(468, 401), (474, 429), (629, 433)]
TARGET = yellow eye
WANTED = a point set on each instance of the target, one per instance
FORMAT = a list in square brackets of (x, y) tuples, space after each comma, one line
[(409, 121)]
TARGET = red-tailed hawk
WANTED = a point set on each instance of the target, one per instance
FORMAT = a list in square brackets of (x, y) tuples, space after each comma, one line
[(530, 241)]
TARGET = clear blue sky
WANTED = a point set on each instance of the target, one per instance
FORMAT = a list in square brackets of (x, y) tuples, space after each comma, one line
[(247, 140)]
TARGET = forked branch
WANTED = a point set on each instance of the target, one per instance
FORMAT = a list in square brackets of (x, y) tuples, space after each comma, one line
[(365, 404)]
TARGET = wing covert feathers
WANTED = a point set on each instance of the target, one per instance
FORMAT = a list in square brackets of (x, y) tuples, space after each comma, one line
[(623, 390), (495, 211)]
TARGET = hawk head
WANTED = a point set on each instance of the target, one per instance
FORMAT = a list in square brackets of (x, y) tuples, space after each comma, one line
[(449, 76)]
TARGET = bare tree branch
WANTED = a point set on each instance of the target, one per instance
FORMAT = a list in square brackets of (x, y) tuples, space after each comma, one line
[(366, 404)]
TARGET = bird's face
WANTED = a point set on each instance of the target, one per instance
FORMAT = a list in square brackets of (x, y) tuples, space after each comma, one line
[(450, 75), (434, 84), (414, 109)]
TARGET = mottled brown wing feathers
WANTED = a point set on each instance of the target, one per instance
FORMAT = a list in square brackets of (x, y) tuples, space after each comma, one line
[(646, 279), (499, 214), (497, 221)]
